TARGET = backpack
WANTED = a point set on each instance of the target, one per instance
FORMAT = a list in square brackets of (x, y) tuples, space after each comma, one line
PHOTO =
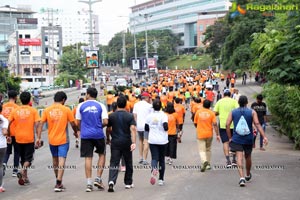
[(242, 127)]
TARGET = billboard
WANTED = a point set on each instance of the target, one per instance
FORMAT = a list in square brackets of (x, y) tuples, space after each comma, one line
[(29, 42), (27, 21), (92, 59), (152, 63)]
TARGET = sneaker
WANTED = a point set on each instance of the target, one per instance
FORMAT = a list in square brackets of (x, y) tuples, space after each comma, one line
[(262, 149), (153, 176), (111, 186), (27, 182), (170, 162), (15, 172), (208, 167), (141, 161), (89, 188), (59, 188), (242, 182), (123, 169), (145, 162), (129, 186), (248, 178), (203, 168), (233, 163), (228, 164), (2, 189), (98, 183), (161, 182), (20, 178), (168, 159)]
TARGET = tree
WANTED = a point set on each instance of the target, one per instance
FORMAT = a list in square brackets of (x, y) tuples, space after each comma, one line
[(71, 66), (8, 82)]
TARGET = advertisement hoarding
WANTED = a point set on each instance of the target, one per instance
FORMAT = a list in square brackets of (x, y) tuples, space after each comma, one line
[(92, 59)]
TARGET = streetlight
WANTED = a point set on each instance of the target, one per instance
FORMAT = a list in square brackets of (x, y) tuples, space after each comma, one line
[(146, 16)]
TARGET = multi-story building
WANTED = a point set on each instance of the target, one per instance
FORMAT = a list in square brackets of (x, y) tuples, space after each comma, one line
[(188, 18), (12, 20), (75, 25)]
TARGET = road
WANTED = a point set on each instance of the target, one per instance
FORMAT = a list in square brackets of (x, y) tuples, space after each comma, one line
[(276, 172)]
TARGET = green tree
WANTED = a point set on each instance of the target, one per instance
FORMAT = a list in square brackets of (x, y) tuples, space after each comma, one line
[(71, 67), (8, 82)]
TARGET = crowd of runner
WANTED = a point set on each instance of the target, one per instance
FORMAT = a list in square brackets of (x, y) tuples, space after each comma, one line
[(155, 113)]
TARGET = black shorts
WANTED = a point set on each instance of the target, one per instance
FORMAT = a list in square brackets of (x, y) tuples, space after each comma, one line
[(223, 135), (171, 147), (247, 148), (26, 152), (143, 135), (87, 147)]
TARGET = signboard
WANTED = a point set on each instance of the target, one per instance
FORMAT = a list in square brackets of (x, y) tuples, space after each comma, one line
[(152, 63), (27, 21), (136, 64), (25, 52), (29, 42), (92, 59)]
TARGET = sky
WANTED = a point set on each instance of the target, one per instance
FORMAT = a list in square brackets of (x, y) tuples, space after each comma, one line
[(113, 14)]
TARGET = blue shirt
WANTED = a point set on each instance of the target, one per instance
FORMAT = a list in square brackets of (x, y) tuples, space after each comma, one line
[(236, 114), (91, 113)]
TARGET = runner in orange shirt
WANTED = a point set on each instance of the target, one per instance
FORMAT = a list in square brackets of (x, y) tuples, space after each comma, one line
[(109, 100), (180, 110), (7, 110), (58, 116), (197, 105), (76, 121), (173, 119), (26, 119), (205, 121)]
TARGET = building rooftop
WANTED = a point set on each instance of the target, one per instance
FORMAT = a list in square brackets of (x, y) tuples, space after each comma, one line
[(9, 9)]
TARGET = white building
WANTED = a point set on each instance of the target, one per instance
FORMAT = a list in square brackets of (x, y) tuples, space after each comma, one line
[(188, 18), (75, 25)]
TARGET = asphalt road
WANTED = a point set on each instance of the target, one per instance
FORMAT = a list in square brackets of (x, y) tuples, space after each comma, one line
[(276, 172)]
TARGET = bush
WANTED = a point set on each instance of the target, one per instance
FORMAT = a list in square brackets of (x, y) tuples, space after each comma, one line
[(284, 103)]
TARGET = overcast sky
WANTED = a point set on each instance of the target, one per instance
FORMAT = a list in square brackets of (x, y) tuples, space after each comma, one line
[(107, 10)]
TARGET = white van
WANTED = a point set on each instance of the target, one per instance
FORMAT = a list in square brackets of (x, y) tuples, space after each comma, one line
[(84, 87)]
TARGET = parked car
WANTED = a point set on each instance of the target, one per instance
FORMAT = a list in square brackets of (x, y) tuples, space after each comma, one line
[(84, 87), (121, 82)]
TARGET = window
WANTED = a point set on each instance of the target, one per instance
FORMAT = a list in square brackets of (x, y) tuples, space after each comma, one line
[(20, 36), (27, 36), (36, 70), (46, 50), (25, 59), (202, 37), (201, 27), (27, 71), (36, 59), (36, 48), (46, 38)]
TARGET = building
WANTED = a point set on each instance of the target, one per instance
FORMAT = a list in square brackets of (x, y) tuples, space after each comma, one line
[(12, 20), (188, 18), (75, 25)]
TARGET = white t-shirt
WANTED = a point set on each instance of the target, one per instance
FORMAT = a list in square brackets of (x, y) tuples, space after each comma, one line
[(157, 134), (142, 109), (3, 124)]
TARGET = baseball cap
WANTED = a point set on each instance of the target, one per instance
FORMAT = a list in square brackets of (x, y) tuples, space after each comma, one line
[(146, 94)]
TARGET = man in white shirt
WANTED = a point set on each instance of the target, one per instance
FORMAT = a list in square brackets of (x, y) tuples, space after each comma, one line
[(140, 111)]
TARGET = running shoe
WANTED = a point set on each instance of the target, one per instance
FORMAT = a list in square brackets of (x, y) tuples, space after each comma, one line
[(98, 183), (59, 188), (262, 149), (153, 176), (208, 167), (89, 188), (233, 163), (242, 182), (27, 182), (170, 162), (129, 186), (111, 186), (15, 172), (20, 178), (145, 162), (203, 168), (141, 161), (2, 189), (161, 182), (228, 164), (248, 178)]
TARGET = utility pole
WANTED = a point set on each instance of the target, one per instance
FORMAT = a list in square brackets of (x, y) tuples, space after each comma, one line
[(124, 49), (91, 33)]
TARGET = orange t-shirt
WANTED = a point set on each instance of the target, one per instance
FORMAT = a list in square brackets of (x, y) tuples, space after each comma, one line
[(210, 95), (196, 107), (128, 106), (57, 116), (204, 118), (180, 110), (164, 100), (7, 109), (172, 122), (25, 117), (109, 99)]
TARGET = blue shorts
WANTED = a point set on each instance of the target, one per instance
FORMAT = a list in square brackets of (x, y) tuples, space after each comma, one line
[(223, 134), (60, 150)]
